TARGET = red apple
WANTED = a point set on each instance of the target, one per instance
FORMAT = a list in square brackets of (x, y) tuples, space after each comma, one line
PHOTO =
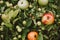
[(48, 18), (32, 35)]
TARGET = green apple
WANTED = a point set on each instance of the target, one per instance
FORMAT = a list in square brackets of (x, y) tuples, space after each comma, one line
[(43, 2), (23, 4)]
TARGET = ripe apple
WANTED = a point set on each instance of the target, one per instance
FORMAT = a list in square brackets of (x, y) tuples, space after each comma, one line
[(48, 18), (32, 35), (43, 2), (23, 4)]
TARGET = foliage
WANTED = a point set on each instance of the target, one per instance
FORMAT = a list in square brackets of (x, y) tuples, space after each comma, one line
[(16, 16)]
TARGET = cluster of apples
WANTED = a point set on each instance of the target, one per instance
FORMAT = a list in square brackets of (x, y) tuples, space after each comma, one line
[(47, 18), (24, 4)]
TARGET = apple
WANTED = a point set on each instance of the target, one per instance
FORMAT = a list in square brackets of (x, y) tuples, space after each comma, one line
[(24, 22), (23, 4), (42, 2), (48, 18), (32, 35), (38, 23)]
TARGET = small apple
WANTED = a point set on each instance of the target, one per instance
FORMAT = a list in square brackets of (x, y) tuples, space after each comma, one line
[(23, 4), (32, 35), (43, 2), (38, 23), (48, 18), (24, 22)]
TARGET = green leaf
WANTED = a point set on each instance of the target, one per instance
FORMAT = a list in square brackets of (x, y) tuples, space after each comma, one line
[(46, 37), (53, 6), (10, 14), (16, 20), (50, 28), (51, 0), (7, 11), (5, 18), (28, 23), (9, 25), (14, 14), (24, 34), (34, 20), (40, 37)]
